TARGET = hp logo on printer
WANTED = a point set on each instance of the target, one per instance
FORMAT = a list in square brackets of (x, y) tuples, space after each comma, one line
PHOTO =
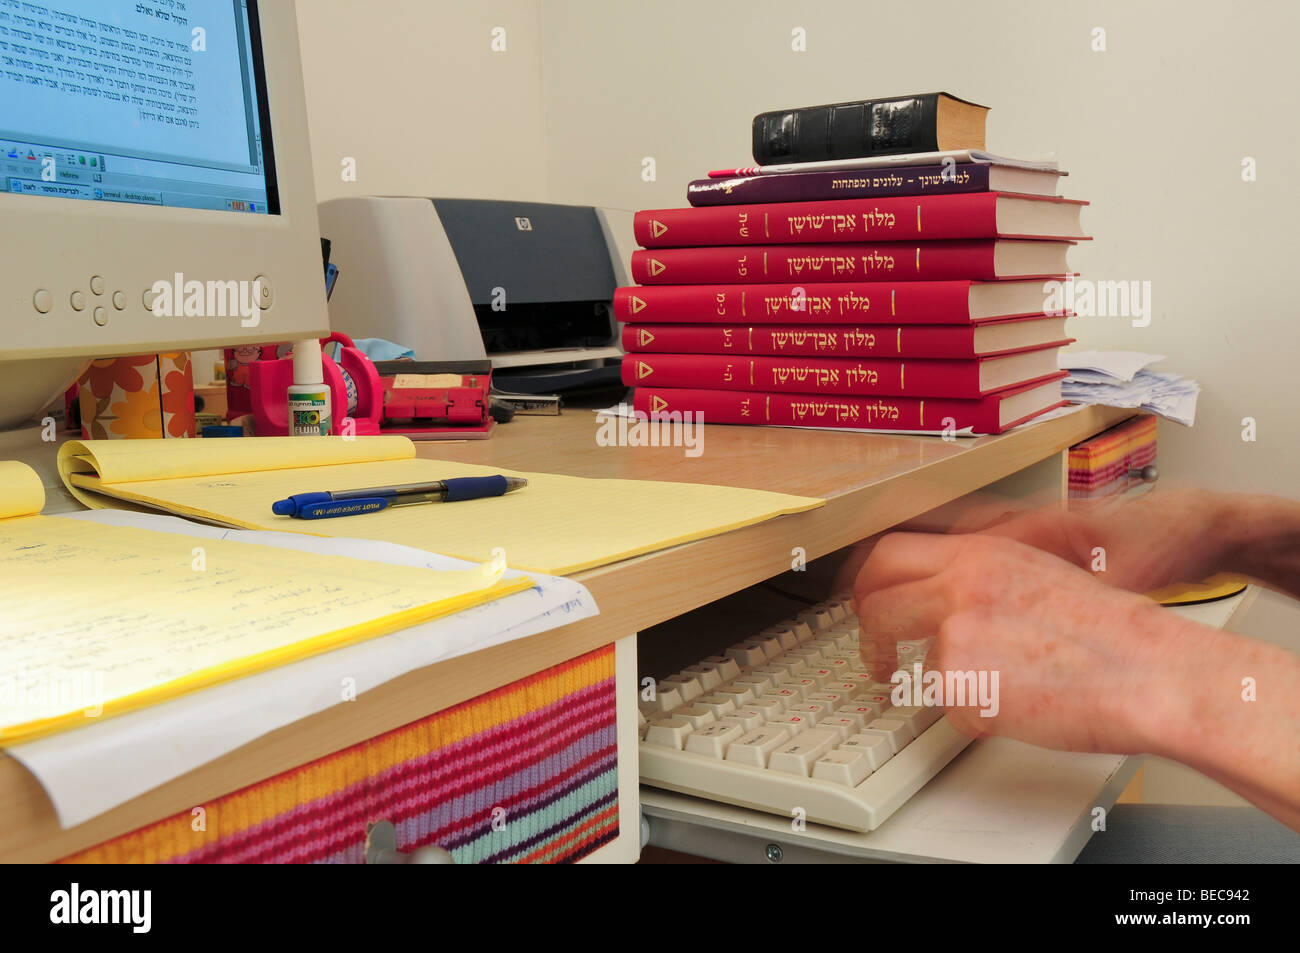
[(523, 223)]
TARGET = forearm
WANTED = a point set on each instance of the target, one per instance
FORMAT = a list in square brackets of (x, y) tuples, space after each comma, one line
[(1262, 540), (1227, 706)]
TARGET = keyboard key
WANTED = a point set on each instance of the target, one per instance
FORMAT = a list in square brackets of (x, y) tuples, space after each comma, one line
[(741, 693), (718, 704), (788, 663), (816, 619), (834, 608), (841, 725), (876, 747), (746, 654), (841, 638), (783, 634), (834, 698), (847, 766), (758, 681), (664, 700), (798, 756), (725, 667), (755, 747), (697, 715), (803, 686), (915, 718), (772, 646), (751, 719), (866, 711), (895, 732), (793, 722), (809, 655), (814, 711), (668, 732), (869, 697), (708, 677), (686, 684), (768, 706), (802, 630), (847, 689), (778, 698), (821, 676), (713, 740)]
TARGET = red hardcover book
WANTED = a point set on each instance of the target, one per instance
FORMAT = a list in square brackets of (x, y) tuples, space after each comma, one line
[(978, 260), (847, 340), (935, 217), (967, 379), (991, 414), (905, 302)]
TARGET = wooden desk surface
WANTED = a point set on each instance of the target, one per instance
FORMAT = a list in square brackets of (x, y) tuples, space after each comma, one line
[(871, 483)]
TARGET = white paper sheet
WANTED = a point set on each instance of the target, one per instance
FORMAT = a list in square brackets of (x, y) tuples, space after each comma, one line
[(1106, 365), (90, 770)]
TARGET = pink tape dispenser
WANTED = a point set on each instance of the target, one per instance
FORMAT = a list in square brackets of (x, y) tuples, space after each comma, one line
[(356, 393)]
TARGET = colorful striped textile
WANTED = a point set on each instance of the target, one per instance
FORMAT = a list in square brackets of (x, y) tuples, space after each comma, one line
[(1104, 465), (524, 774)]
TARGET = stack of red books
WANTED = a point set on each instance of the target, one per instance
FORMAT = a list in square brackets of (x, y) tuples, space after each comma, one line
[(913, 296)]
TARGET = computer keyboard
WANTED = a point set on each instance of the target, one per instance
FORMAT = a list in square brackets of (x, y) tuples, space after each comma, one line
[(790, 722)]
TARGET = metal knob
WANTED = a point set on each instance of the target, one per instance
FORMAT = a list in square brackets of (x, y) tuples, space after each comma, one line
[(381, 848)]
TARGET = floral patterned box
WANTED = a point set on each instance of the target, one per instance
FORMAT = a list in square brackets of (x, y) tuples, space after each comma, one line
[(147, 396)]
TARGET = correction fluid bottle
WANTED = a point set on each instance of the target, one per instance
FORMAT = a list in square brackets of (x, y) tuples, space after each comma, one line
[(309, 397)]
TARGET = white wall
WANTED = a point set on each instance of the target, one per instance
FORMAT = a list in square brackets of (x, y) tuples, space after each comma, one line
[(412, 90), (1153, 132)]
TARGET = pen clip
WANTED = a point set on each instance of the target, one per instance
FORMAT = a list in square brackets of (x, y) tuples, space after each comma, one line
[(331, 508)]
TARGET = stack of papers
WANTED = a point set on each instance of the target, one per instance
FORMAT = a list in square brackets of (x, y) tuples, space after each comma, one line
[(1124, 379)]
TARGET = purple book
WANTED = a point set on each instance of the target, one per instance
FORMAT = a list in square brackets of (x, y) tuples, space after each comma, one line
[(871, 184)]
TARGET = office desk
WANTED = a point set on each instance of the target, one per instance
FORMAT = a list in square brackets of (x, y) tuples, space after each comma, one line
[(871, 483)]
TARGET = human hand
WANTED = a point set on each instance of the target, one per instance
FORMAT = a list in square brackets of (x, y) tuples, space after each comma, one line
[(1162, 537), (1070, 654)]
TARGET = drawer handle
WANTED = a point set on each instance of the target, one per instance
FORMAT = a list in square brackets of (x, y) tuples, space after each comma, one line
[(381, 848)]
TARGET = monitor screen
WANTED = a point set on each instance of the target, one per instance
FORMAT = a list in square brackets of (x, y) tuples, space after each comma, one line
[(156, 102)]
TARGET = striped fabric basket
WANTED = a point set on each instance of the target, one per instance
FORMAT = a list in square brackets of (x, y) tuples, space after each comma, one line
[(524, 774), (1110, 462)]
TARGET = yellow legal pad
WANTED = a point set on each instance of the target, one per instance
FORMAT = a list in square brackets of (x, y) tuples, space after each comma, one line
[(557, 524), (100, 620)]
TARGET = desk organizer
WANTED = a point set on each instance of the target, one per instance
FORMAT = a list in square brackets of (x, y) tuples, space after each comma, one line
[(527, 773)]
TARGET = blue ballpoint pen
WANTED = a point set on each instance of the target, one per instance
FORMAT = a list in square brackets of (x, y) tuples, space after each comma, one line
[(314, 506)]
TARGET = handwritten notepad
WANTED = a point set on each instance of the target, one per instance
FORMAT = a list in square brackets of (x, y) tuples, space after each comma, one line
[(101, 620), (557, 524)]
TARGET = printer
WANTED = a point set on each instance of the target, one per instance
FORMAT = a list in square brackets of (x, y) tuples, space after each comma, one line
[(526, 285)]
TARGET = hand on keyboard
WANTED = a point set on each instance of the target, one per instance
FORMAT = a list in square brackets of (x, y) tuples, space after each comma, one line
[(1060, 642), (791, 720)]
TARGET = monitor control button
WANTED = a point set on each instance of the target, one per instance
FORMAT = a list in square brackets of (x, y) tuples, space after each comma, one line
[(78, 300), (97, 285), (267, 297), (146, 299), (119, 300), (42, 301), (101, 317)]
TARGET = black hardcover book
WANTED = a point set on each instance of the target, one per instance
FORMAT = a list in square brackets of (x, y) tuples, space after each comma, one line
[(930, 122)]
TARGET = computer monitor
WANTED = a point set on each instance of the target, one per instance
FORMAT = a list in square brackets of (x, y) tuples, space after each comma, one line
[(155, 185)]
